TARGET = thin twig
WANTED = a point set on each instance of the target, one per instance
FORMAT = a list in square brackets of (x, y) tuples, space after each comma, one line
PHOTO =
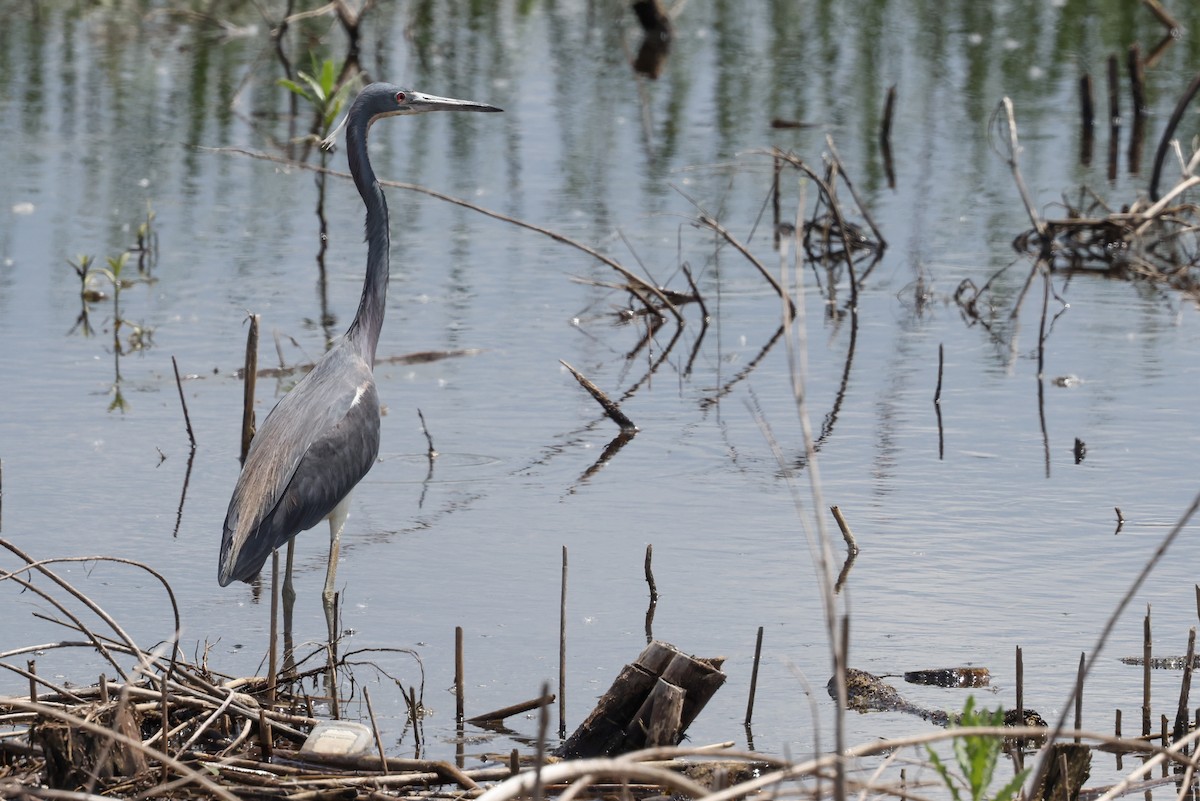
[(1014, 149), (383, 767), (610, 408), (562, 650), (432, 451), (186, 418), (847, 535)]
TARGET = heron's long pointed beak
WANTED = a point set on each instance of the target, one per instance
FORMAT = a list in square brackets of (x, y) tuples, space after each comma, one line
[(419, 101)]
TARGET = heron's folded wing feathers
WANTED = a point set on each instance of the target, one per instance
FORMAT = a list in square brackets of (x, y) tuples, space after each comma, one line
[(315, 445)]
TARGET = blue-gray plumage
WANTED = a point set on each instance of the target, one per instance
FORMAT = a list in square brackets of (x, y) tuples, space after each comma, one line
[(323, 436)]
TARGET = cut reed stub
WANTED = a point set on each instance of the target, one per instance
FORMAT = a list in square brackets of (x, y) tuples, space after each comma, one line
[(651, 702), (951, 677)]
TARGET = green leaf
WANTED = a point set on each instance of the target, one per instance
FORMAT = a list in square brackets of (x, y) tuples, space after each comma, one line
[(296, 88), (944, 772), (1010, 790)]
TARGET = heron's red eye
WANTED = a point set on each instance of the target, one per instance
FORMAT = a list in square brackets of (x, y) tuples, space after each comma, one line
[(401, 97)]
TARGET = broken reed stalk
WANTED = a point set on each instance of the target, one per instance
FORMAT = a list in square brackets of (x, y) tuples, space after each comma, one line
[(458, 675), (610, 408), (1020, 685), (264, 736), (937, 392), (248, 379), (1079, 693), (187, 420), (885, 127), (562, 650), (1185, 685), (514, 709), (654, 587), (431, 451), (847, 535), (754, 676), (383, 766), (1163, 16), (1147, 653), (1014, 148), (414, 715)]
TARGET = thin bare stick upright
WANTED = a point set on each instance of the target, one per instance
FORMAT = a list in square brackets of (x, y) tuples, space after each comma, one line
[(248, 380), (562, 651), (186, 418)]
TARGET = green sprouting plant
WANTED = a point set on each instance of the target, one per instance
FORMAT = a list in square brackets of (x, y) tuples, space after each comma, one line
[(320, 89), (113, 272), (82, 265), (976, 756), (146, 245)]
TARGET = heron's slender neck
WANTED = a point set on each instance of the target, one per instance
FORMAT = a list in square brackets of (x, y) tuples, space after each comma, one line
[(364, 331)]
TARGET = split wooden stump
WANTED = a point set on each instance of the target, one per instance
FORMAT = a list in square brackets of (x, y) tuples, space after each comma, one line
[(650, 703)]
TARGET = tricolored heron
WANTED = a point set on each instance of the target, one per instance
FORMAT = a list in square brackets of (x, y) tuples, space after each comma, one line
[(323, 436)]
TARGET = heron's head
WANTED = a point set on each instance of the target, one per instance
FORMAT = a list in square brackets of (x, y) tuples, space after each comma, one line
[(387, 100)]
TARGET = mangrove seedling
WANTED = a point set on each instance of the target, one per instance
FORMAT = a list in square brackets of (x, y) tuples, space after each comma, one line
[(321, 91), (82, 265), (146, 245)]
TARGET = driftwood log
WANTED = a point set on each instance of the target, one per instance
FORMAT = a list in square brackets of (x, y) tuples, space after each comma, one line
[(650, 703)]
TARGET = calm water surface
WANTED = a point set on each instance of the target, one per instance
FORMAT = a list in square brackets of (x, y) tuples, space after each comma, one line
[(1002, 540)]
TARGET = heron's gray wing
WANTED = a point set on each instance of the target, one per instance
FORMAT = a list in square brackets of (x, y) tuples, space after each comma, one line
[(315, 445)]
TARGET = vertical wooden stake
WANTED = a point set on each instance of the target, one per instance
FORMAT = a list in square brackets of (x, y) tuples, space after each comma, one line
[(754, 676), (1020, 685), (186, 418), (103, 689), (458, 675), (1019, 753), (1185, 685), (1146, 654), (33, 694), (562, 651), (414, 716), (1079, 694)]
